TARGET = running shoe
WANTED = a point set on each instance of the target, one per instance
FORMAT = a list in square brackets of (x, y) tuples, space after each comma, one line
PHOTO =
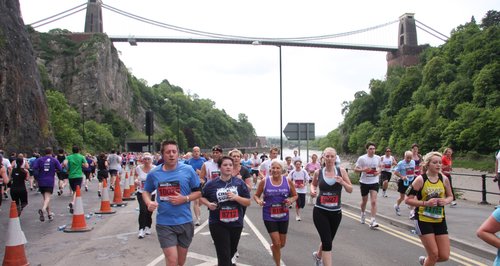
[(233, 259), (298, 218), (86, 188), (373, 223), (453, 204), (112, 188), (385, 194), (147, 231), (317, 260), (412, 215), (42, 218), (421, 260), (141, 234), (99, 194), (363, 217), (5, 195), (398, 211), (197, 222), (70, 205), (51, 216)]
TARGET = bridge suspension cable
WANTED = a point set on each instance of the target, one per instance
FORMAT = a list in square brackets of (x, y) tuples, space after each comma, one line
[(57, 15), (225, 36), (433, 30)]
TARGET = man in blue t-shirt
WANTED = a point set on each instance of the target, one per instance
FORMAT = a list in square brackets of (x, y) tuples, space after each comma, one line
[(196, 162), (405, 170), (176, 185)]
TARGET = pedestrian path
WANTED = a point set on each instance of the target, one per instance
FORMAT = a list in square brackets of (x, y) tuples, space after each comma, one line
[(462, 220)]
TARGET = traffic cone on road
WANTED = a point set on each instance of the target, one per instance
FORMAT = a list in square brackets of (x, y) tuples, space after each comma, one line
[(117, 196), (132, 185), (105, 205), (127, 195), (78, 224), (15, 240)]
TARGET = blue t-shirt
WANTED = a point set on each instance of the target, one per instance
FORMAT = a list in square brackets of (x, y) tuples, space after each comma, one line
[(406, 169), (228, 213), (247, 163), (183, 180), (496, 215), (196, 163)]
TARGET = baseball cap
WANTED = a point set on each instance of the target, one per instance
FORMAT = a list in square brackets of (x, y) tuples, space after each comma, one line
[(217, 148)]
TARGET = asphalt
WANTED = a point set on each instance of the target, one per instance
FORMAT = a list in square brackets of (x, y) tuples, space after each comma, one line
[(462, 220)]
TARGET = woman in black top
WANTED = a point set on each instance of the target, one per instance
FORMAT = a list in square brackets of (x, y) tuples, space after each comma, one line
[(102, 170), (18, 191)]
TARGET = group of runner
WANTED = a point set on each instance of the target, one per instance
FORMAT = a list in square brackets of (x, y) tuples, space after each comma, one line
[(223, 184)]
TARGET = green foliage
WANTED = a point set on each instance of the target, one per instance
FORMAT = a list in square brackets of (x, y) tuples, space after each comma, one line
[(64, 120), (451, 99)]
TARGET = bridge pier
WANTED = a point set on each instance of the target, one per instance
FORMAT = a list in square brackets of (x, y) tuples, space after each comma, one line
[(408, 49)]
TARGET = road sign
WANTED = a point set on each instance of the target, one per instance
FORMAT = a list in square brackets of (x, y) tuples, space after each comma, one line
[(299, 131)]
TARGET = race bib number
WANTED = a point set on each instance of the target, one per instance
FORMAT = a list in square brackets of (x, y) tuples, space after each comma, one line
[(278, 211), (299, 183), (371, 172), (168, 189), (228, 214), (329, 200), (410, 173), (435, 212), (417, 169), (387, 166), (142, 184), (214, 174)]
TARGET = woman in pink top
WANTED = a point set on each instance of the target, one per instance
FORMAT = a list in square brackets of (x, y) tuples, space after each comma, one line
[(310, 168)]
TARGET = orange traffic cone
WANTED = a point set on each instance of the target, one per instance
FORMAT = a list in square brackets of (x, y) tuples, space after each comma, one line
[(132, 185), (117, 196), (15, 240), (127, 195), (105, 205), (78, 224)]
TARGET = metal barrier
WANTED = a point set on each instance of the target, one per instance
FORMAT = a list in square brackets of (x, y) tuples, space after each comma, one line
[(483, 187), (483, 190)]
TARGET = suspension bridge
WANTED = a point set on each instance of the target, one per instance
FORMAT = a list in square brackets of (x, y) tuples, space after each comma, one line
[(405, 53)]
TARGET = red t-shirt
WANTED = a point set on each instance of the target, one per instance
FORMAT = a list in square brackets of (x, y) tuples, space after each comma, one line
[(446, 162)]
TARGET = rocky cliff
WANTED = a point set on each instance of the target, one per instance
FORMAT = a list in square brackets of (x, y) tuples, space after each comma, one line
[(87, 69), (23, 111)]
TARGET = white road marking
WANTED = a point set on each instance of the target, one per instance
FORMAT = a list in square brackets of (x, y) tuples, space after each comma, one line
[(264, 242)]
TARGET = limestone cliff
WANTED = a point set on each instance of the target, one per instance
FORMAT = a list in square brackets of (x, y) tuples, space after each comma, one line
[(87, 69), (23, 111)]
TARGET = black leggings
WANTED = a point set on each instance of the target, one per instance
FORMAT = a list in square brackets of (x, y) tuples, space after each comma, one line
[(20, 197), (451, 186), (327, 223), (226, 241), (144, 215)]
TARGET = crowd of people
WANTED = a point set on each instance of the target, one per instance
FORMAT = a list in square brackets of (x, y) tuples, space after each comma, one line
[(168, 182)]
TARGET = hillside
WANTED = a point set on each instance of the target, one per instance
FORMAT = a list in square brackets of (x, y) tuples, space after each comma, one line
[(451, 99)]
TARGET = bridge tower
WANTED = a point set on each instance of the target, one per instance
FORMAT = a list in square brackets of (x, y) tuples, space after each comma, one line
[(93, 19), (408, 48)]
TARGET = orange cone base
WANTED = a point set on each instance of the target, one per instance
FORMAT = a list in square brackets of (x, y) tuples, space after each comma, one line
[(104, 212), (15, 255), (118, 204), (128, 198), (78, 230)]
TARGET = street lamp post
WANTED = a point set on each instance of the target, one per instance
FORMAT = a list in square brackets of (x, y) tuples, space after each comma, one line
[(281, 110), (83, 123)]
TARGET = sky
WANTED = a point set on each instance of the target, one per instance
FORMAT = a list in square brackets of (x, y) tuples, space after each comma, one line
[(246, 78)]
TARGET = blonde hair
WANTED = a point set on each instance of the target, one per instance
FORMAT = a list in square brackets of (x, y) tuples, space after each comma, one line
[(330, 149), (233, 151), (427, 159)]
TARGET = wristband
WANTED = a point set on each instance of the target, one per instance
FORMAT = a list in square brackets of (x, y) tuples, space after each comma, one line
[(187, 198)]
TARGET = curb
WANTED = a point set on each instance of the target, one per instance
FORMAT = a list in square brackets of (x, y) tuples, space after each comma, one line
[(460, 244)]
